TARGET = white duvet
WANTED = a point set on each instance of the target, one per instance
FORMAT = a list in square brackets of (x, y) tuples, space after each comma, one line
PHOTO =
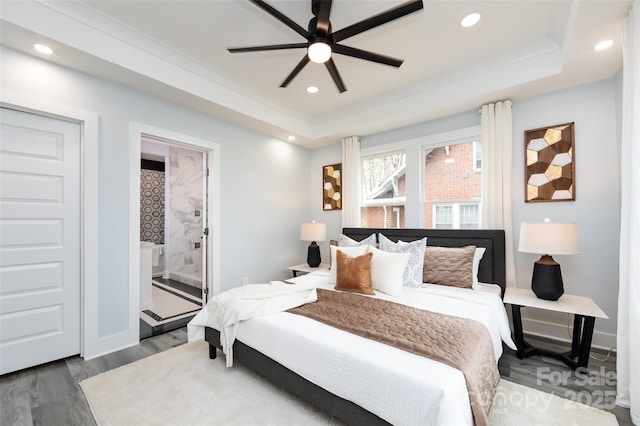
[(398, 386)]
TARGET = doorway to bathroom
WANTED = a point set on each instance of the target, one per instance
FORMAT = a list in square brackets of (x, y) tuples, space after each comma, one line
[(173, 228)]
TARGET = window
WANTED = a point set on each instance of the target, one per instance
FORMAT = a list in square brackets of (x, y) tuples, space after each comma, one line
[(456, 216), (396, 217), (452, 185), (469, 216), (443, 217), (477, 156), (383, 190), (433, 181)]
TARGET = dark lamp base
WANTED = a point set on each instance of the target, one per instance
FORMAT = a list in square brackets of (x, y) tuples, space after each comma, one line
[(313, 255), (546, 281)]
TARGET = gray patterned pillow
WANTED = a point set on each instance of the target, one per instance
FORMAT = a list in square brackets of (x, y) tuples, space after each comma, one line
[(413, 271), (349, 242)]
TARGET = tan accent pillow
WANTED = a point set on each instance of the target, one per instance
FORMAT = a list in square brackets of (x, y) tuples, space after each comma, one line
[(449, 266), (351, 251), (354, 273)]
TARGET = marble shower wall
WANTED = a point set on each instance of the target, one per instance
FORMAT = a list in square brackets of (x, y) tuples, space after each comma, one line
[(184, 216)]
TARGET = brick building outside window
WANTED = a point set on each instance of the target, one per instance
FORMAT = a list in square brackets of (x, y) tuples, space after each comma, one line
[(452, 182)]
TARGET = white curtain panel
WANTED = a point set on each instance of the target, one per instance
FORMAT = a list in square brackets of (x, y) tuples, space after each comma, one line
[(628, 361), (497, 174), (351, 182)]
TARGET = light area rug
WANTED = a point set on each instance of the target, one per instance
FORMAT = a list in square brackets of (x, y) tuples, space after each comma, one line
[(182, 386), (169, 305)]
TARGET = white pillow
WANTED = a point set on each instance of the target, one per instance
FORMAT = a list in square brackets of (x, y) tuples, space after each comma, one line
[(387, 270), (350, 242), (413, 271), (351, 251), (477, 257)]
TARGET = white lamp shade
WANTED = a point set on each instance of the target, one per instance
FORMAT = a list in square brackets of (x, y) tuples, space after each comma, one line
[(549, 238), (313, 232)]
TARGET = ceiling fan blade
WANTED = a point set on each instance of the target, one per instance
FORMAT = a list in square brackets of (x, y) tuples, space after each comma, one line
[(367, 56), (296, 70), (324, 10), (269, 47), (331, 67), (280, 17), (377, 20)]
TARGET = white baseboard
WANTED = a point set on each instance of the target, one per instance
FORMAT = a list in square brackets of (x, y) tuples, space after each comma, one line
[(563, 332), (113, 343)]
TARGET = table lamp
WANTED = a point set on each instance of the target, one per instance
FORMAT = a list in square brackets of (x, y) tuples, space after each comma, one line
[(313, 232), (548, 239)]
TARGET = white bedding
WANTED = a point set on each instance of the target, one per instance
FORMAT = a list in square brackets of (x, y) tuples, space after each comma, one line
[(398, 386)]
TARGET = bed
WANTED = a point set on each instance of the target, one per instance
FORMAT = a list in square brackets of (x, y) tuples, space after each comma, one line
[(360, 381)]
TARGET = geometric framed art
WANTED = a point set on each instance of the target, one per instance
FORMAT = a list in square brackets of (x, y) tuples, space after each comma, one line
[(332, 187), (550, 164)]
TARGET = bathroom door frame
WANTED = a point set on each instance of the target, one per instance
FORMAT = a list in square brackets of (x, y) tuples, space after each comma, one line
[(211, 216)]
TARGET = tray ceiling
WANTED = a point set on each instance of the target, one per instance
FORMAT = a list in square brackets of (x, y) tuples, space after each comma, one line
[(177, 50)]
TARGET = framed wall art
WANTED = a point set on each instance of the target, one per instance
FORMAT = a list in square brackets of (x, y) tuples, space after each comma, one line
[(332, 187), (550, 164)]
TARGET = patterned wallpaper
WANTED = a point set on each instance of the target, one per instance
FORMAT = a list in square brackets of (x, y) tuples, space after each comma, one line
[(152, 206)]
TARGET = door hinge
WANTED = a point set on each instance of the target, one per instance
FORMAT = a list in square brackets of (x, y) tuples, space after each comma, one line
[(206, 173), (206, 231), (206, 290)]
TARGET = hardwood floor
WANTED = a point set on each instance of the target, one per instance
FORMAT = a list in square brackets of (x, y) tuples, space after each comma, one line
[(50, 395), (595, 386)]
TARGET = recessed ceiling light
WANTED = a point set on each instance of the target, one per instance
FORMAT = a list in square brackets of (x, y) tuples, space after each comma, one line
[(605, 44), (470, 20), (43, 48), (312, 89), (291, 138)]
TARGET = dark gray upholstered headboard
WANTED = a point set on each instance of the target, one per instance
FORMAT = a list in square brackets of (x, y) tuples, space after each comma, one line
[(492, 266)]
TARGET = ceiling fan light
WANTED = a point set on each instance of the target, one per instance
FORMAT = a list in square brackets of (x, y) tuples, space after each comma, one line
[(319, 52)]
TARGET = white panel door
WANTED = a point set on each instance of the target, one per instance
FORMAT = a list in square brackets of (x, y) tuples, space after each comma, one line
[(39, 239)]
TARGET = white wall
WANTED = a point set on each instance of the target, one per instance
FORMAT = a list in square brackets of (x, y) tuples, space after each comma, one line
[(331, 154), (593, 272), (264, 182)]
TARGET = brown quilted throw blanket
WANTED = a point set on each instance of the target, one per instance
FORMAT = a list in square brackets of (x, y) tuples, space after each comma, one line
[(459, 342)]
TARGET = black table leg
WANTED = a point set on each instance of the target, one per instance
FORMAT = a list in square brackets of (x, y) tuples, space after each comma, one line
[(524, 349), (585, 344), (577, 332), (517, 326), (580, 342)]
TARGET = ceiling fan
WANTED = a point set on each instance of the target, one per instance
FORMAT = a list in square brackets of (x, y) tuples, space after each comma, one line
[(322, 41)]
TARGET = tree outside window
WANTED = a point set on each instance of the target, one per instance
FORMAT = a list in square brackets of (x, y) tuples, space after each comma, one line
[(383, 190)]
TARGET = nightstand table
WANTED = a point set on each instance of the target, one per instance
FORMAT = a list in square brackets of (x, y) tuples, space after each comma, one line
[(305, 268), (584, 310)]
